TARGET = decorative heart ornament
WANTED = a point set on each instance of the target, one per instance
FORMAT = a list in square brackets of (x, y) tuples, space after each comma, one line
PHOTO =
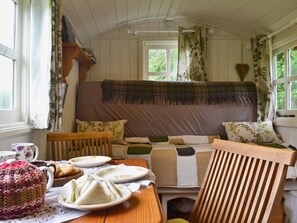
[(242, 70)]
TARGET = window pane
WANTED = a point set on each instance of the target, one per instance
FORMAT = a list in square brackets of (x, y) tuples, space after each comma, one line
[(157, 78), (293, 87), (280, 65), (280, 88), (157, 60), (7, 23), (173, 60), (293, 61), (6, 83)]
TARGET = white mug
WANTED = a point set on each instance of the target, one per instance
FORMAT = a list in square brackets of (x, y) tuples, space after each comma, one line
[(25, 151), (6, 155)]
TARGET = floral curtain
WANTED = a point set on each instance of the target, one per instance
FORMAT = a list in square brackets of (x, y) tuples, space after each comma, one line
[(57, 87), (261, 66), (192, 54), (46, 85)]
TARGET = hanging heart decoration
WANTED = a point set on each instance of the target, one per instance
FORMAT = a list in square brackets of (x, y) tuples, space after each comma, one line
[(242, 70)]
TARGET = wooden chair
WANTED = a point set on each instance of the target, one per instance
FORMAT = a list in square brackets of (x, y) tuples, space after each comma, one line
[(64, 146), (243, 183)]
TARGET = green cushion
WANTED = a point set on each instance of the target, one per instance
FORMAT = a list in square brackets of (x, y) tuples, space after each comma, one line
[(139, 149), (177, 220), (158, 139), (271, 144)]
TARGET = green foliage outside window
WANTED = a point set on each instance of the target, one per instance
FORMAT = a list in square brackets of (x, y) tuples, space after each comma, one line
[(280, 73), (157, 60)]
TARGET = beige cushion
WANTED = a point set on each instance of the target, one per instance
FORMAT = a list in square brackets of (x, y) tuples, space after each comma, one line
[(116, 127), (251, 132)]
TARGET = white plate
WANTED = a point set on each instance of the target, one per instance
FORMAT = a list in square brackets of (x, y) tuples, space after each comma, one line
[(121, 173), (125, 191), (89, 161)]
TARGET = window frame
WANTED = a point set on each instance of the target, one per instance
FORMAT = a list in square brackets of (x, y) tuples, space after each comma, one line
[(286, 80), (15, 121), (166, 44)]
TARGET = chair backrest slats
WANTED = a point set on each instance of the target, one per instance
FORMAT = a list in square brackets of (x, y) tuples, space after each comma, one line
[(243, 183), (64, 146)]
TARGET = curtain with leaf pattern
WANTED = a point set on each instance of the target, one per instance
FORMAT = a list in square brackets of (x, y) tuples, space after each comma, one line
[(46, 85), (192, 54), (261, 65), (57, 86)]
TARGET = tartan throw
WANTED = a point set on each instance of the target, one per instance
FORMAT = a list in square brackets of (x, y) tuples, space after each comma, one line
[(184, 93)]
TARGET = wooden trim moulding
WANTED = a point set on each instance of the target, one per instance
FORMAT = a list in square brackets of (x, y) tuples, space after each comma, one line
[(73, 51)]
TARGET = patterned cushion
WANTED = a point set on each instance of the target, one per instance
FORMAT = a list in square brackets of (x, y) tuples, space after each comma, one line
[(116, 127), (251, 132)]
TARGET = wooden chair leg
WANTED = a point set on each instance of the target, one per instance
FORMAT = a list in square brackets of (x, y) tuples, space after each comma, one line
[(279, 216)]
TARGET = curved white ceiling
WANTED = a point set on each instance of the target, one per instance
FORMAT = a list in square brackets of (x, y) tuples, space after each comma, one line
[(244, 18)]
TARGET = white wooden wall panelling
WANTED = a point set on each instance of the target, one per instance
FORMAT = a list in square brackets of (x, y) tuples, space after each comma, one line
[(124, 60), (114, 59), (117, 53), (133, 44)]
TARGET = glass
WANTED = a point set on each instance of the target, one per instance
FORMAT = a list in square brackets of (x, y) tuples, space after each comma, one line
[(293, 61), (280, 96), (293, 98), (280, 65), (157, 60), (173, 60), (157, 78), (7, 23), (6, 83)]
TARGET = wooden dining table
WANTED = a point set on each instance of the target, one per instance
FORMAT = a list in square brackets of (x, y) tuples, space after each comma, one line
[(143, 207)]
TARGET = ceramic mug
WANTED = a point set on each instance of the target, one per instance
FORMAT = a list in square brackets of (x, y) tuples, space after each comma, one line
[(25, 151), (6, 155)]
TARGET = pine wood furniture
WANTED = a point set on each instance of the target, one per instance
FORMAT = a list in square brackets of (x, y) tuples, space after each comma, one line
[(243, 183), (64, 146), (143, 207), (73, 51)]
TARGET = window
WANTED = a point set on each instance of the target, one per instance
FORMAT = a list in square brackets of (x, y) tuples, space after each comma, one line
[(12, 19), (8, 54), (160, 60), (285, 79)]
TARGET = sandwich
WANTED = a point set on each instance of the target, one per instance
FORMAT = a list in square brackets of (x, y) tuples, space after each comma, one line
[(87, 191)]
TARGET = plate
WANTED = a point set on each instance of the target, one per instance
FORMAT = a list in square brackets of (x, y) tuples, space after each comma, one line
[(89, 161), (60, 181), (121, 173), (126, 194)]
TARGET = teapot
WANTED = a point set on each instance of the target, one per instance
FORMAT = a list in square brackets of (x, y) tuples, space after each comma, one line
[(22, 188)]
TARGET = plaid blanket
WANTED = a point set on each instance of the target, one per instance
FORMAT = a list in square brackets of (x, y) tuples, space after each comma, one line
[(154, 92)]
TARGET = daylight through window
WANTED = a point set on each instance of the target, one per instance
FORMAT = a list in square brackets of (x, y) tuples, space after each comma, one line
[(285, 78), (160, 60)]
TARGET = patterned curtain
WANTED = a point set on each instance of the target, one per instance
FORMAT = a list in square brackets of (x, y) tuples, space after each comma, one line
[(57, 87), (192, 54), (262, 77)]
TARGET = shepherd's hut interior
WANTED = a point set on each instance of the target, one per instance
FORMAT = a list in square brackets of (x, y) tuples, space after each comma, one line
[(148, 111)]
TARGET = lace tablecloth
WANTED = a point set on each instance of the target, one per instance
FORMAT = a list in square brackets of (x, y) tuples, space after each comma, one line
[(54, 212)]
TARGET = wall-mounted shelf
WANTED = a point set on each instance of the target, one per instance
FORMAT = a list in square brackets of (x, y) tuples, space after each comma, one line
[(73, 51)]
